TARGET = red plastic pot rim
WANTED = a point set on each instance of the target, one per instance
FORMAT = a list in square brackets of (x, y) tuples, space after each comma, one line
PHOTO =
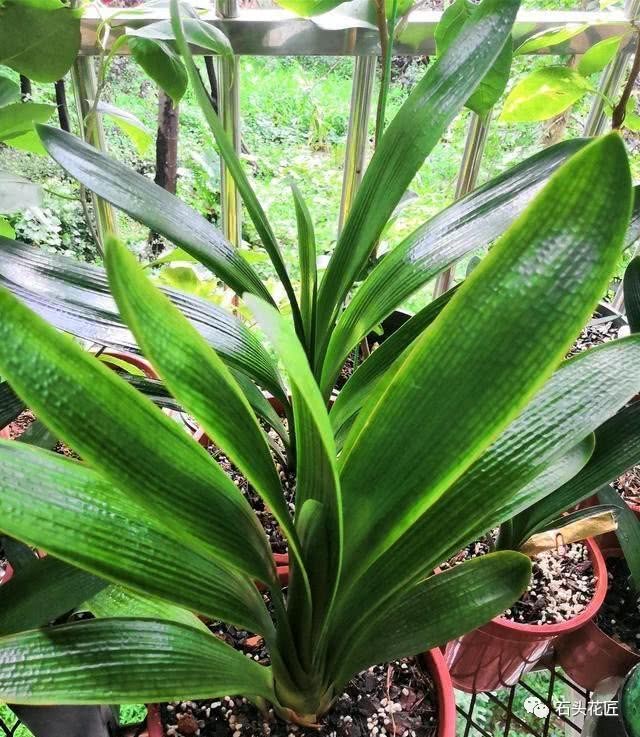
[(507, 629), (138, 361), (434, 662)]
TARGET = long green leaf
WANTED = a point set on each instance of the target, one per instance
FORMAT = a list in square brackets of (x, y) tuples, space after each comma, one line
[(124, 661), (153, 459), (520, 527), (73, 513), (75, 297), (469, 223), (308, 268), (234, 165), (367, 375), (316, 470), (44, 590), (578, 398), (198, 378), (114, 601), (414, 131), (617, 449), (631, 286), (153, 206), (440, 609), (552, 265)]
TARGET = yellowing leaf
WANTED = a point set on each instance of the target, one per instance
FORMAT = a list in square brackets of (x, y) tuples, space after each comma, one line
[(543, 94), (551, 37), (129, 125)]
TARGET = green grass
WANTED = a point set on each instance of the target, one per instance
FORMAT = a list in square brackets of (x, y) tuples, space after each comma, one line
[(129, 714), (9, 718)]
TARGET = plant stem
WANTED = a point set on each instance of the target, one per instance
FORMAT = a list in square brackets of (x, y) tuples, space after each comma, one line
[(61, 103), (620, 110), (387, 31)]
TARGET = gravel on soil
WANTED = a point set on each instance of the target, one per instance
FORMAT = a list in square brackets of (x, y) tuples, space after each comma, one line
[(628, 485), (396, 699), (562, 584)]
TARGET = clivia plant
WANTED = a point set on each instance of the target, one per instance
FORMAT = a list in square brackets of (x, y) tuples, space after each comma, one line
[(438, 443)]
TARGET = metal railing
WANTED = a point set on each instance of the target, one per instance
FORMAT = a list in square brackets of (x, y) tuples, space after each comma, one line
[(274, 32)]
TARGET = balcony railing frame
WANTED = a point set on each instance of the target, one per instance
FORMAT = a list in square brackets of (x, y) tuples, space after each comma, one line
[(275, 32)]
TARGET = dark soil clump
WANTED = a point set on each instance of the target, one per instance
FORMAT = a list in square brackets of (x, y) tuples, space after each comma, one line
[(271, 528), (20, 424), (392, 699), (346, 371), (628, 485), (619, 616), (599, 330)]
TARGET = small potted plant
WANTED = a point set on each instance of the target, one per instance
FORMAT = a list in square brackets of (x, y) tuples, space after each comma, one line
[(609, 645)]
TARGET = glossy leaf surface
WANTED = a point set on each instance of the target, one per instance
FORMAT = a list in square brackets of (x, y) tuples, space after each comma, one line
[(153, 206), (70, 511), (124, 661), (154, 462), (471, 222), (43, 590), (548, 299), (27, 30), (580, 396), (75, 298), (198, 378), (457, 601)]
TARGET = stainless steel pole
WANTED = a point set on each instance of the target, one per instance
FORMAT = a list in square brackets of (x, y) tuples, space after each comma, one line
[(610, 83), (364, 68), (467, 178), (611, 80), (85, 89), (229, 110)]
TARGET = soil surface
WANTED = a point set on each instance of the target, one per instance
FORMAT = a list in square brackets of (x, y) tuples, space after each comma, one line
[(346, 371), (19, 425), (271, 528), (22, 424), (619, 616), (599, 330), (562, 584), (629, 485), (391, 699)]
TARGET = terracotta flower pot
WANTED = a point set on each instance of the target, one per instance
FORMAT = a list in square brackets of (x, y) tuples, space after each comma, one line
[(588, 655), (499, 653), (434, 662)]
